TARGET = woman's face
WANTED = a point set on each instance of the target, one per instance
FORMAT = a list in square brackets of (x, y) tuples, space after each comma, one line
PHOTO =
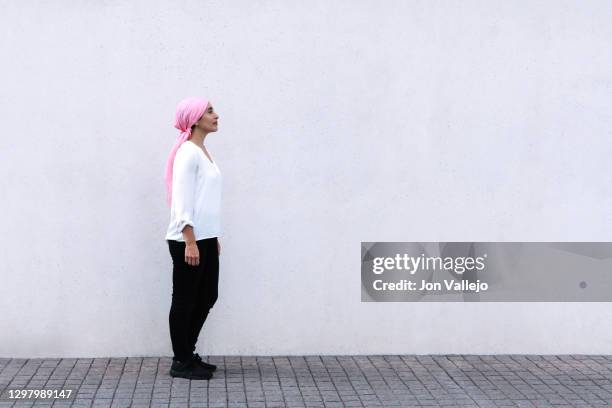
[(209, 121)]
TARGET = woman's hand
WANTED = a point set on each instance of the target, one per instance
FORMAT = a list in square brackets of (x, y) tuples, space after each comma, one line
[(192, 254), (218, 247)]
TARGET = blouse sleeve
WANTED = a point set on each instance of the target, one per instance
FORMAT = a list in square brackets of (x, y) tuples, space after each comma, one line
[(183, 187)]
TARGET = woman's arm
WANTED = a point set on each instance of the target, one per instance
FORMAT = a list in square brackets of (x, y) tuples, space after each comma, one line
[(183, 188), (192, 253), (183, 194), (188, 235)]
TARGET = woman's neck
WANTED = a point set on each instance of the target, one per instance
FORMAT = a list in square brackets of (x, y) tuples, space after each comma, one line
[(198, 137)]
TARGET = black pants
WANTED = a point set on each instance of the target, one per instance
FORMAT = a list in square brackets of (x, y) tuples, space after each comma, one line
[(194, 292)]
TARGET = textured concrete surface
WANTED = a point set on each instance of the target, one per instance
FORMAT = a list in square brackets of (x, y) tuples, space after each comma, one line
[(320, 381), (340, 122)]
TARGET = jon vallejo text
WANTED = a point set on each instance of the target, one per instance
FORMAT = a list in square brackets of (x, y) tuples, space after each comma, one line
[(413, 264), (448, 284)]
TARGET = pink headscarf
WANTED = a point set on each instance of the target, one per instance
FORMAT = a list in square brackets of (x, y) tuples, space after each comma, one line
[(187, 114)]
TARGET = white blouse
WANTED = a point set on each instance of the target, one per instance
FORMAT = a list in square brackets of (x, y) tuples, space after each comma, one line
[(196, 194)]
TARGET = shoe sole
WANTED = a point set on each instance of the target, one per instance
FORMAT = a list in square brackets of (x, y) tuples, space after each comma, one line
[(189, 376)]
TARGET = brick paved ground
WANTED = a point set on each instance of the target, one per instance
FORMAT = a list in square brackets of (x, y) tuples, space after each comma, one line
[(321, 381)]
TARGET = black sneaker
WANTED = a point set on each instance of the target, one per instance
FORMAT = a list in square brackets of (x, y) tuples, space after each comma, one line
[(206, 365), (189, 369)]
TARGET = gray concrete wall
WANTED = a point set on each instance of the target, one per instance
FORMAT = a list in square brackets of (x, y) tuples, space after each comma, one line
[(340, 122)]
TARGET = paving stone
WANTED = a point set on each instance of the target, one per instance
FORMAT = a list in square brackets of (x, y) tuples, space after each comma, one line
[(320, 381)]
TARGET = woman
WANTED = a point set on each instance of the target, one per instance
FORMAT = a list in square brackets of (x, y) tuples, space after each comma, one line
[(193, 182)]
